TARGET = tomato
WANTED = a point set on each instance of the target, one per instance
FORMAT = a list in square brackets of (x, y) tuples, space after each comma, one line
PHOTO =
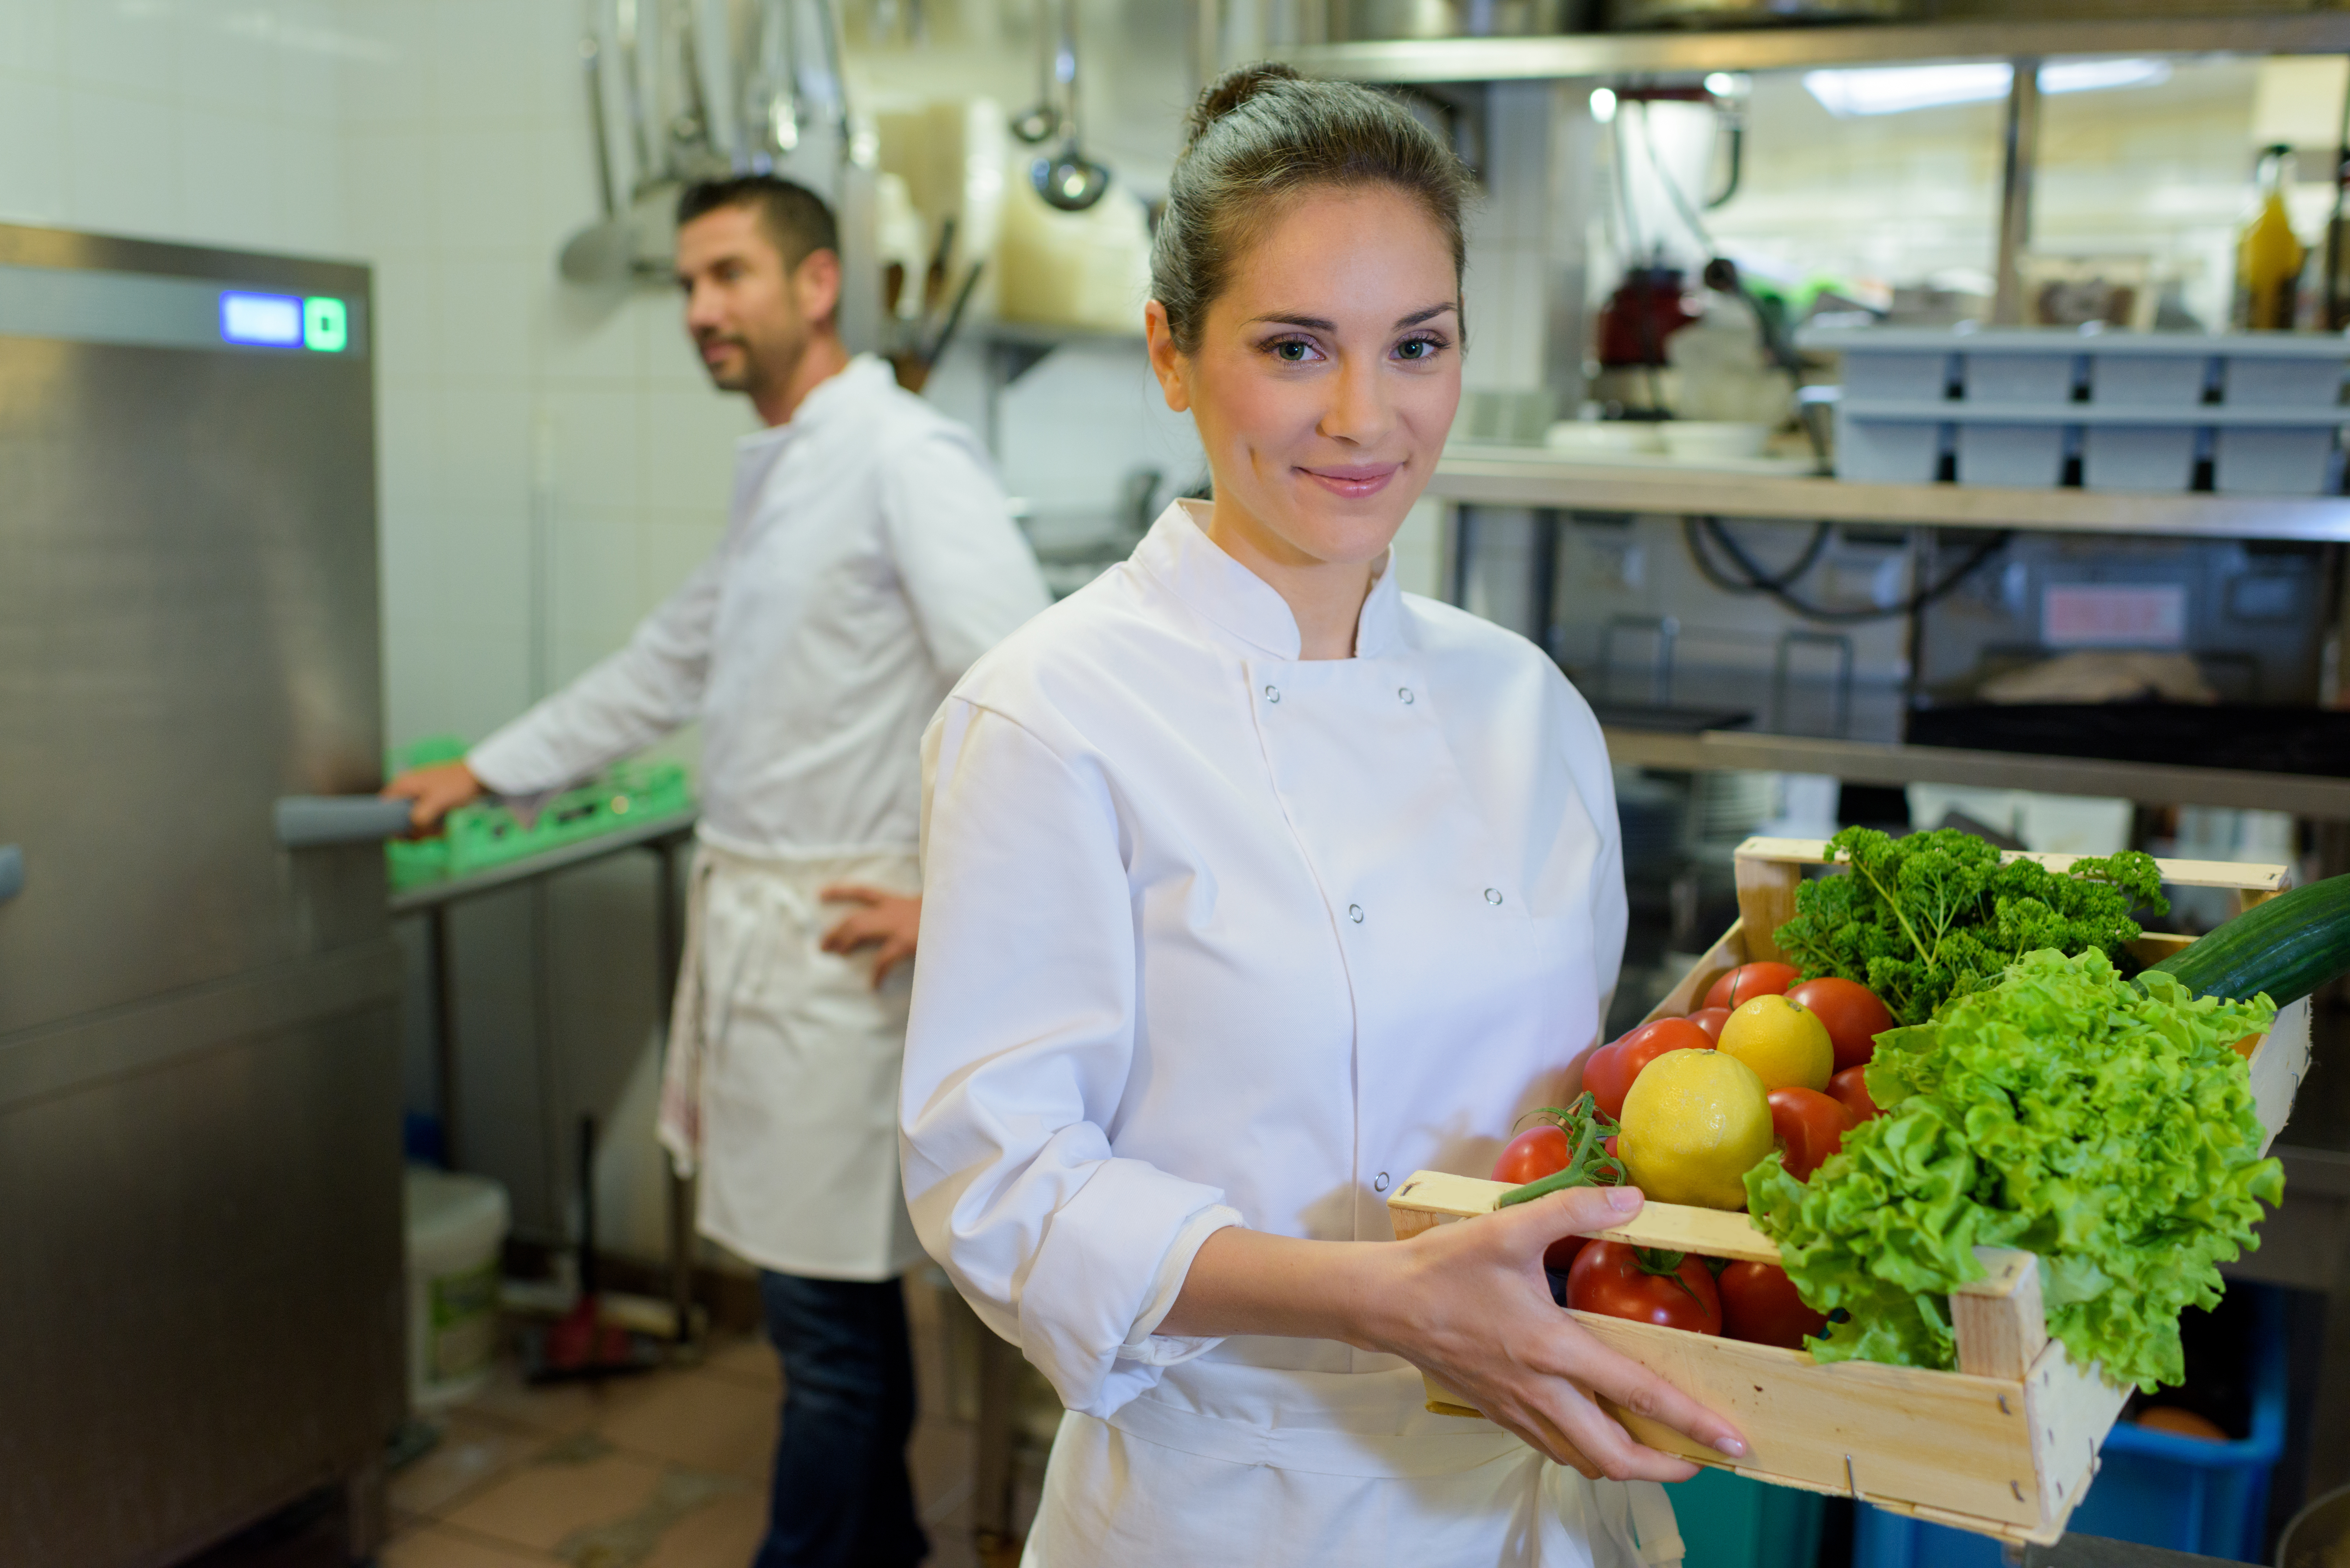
[(1559, 1256), (1759, 1304), (1811, 1125), (1749, 980), (1849, 1088), (1533, 1154), (1618, 1065), (1852, 1012), (1608, 1278), (1711, 1020)]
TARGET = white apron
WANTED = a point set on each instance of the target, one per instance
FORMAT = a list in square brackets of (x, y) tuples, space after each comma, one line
[(780, 1089)]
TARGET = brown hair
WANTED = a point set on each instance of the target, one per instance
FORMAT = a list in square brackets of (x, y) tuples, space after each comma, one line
[(1261, 135)]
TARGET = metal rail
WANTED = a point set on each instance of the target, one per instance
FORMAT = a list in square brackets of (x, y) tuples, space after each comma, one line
[(1782, 49), (1885, 763), (1489, 476)]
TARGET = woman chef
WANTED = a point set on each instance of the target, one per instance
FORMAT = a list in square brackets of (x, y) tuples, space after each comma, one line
[(1252, 885)]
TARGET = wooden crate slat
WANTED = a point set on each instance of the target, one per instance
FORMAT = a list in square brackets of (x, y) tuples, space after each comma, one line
[(2242, 876), (1998, 1320), (1897, 1432)]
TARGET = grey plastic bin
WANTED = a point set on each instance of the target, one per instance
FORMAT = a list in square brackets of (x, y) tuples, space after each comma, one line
[(2283, 380), (2024, 456), (2147, 380), (2155, 458), (2035, 375), (1897, 450), (2272, 460)]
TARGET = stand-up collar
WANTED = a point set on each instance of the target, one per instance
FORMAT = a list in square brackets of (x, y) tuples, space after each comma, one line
[(838, 395), (1178, 552)]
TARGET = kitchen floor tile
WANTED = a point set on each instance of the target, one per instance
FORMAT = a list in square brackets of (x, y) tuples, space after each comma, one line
[(435, 1546), (541, 1505), (705, 1422), (747, 1360), (723, 1533), (555, 1408), (471, 1452)]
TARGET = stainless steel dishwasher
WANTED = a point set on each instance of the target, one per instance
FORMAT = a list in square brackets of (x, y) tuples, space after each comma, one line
[(200, 1190)]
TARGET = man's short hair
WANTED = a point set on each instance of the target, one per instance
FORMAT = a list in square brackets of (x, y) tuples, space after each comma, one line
[(794, 217)]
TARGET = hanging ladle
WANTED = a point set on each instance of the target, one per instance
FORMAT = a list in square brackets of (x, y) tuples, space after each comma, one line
[(1069, 179)]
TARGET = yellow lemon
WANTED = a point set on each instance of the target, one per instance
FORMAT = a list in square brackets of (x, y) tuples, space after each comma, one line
[(1784, 1041), (1694, 1123)]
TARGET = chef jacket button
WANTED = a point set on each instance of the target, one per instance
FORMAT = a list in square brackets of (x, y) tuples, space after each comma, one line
[(1492, 895), (1380, 1185), (1273, 693), (1405, 692), (1355, 913)]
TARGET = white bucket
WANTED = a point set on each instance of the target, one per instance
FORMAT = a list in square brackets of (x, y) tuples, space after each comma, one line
[(456, 1229)]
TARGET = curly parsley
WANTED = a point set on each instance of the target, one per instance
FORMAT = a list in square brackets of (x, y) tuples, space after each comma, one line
[(1933, 916)]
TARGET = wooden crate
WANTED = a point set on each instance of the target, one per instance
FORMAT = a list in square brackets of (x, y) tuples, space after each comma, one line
[(2005, 1445)]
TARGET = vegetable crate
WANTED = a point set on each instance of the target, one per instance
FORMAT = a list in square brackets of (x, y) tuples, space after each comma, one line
[(2006, 1445)]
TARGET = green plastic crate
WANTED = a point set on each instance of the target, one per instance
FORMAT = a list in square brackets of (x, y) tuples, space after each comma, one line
[(477, 837), (1730, 1521)]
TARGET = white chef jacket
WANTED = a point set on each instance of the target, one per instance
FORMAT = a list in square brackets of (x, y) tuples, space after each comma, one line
[(870, 557), (1213, 935)]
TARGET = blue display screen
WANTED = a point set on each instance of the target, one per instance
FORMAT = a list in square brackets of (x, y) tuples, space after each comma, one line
[(272, 320)]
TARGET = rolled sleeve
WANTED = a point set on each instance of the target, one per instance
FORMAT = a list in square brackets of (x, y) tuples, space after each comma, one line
[(1018, 1049)]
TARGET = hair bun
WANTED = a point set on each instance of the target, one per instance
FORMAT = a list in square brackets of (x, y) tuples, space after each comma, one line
[(1228, 91)]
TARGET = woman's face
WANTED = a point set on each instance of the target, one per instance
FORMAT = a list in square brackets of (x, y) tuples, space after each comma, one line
[(1327, 374)]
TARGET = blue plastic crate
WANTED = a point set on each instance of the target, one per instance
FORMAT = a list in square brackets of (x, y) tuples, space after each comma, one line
[(2155, 1488)]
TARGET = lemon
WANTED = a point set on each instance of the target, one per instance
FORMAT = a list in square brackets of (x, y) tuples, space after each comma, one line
[(1694, 1123), (1784, 1041)]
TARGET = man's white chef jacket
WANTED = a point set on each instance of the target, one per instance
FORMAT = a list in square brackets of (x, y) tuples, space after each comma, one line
[(1213, 935), (870, 558)]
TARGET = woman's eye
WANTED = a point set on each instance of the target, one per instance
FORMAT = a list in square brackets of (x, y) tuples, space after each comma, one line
[(1292, 351), (1419, 349)]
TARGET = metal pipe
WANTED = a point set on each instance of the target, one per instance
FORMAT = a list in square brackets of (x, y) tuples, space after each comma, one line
[(2022, 150)]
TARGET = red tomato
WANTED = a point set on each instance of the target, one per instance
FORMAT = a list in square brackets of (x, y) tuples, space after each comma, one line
[(1749, 980), (1811, 1125), (1608, 1278), (1849, 1088), (1559, 1256), (1533, 1154), (1711, 1020), (1853, 1015), (1759, 1304), (1624, 1060)]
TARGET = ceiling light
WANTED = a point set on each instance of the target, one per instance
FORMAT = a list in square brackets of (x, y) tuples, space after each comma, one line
[(1603, 105)]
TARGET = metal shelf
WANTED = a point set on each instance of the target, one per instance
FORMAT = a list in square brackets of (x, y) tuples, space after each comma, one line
[(1525, 477), (1781, 48), (1881, 763)]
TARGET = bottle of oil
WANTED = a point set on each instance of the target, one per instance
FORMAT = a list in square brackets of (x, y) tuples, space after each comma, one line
[(2337, 248), (2268, 255)]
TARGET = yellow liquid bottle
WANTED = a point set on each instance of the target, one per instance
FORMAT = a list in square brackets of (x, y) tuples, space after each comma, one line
[(2269, 256)]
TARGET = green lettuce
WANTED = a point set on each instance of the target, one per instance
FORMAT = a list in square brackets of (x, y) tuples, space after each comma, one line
[(2105, 1125)]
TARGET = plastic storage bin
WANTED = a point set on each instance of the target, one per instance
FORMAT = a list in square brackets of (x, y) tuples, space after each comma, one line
[(1730, 1521), (456, 1230), (2272, 459), (1888, 450), (2155, 458), (2027, 456), (2155, 1488), (2028, 373)]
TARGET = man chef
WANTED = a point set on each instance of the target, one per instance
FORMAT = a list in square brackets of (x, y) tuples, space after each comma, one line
[(870, 558)]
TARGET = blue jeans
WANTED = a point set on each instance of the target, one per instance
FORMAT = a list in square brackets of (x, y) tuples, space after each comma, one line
[(841, 1497)]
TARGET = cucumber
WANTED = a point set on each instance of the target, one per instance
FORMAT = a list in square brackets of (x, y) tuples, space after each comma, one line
[(2287, 946)]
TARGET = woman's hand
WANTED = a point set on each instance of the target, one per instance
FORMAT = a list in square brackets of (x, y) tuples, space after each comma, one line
[(887, 920), (1470, 1303)]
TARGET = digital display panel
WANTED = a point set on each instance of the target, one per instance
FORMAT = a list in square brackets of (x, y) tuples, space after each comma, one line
[(321, 323), (271, 320)]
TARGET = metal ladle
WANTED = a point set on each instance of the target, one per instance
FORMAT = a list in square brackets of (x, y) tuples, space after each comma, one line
[(1069, 179)]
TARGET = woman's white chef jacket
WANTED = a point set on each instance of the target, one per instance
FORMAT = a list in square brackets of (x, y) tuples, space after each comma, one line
[(1214, 936), (870, 557)]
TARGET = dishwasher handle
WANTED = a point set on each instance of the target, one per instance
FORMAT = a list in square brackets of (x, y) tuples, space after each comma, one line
[(315, 821), (12, 871)]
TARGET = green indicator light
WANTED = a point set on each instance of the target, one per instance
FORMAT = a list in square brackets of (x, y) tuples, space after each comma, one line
[(326, 325)]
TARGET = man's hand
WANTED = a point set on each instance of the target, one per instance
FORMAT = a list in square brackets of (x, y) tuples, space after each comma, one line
[(436, 792), (887, 919)]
